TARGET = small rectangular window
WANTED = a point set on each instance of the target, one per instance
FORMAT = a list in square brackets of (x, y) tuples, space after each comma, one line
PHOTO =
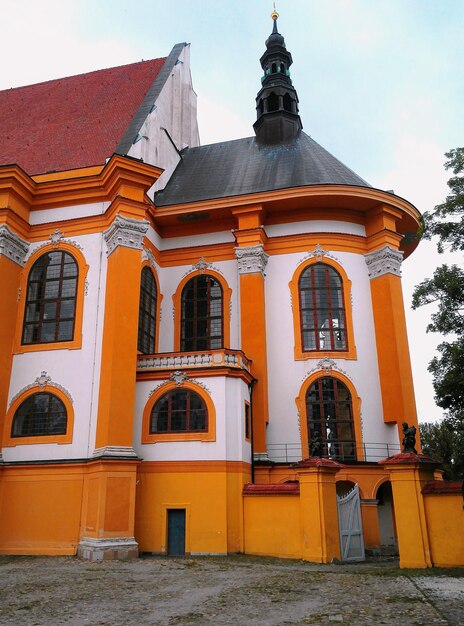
[(247, 422)]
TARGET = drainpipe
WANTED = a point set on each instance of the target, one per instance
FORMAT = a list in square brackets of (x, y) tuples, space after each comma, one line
[(250, 390)]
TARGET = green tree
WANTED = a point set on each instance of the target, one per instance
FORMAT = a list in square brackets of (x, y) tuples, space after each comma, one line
[(445, 440)]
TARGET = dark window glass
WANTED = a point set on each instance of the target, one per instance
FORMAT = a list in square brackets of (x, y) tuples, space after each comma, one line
[(40, 414), (330, 420), (50, 311), (147, 312), (247, 421), (273, 102), (179, 411), (322, 309), (202, 314)]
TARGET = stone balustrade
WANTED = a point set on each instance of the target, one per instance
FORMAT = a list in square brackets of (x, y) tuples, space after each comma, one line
[(192, 360)]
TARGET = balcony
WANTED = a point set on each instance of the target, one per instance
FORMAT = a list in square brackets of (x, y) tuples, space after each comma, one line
[(342, 451), (210, 359)]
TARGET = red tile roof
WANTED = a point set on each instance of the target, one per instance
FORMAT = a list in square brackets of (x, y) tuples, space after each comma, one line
[(72, 122), (281, 489), (443, 486)]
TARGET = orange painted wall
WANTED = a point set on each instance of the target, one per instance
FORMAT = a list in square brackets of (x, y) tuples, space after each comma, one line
[(117, 381), (273, 526), (253, 333), (393, 351), (370, 524), (445, 523), (9, 283), (211, 497), (40, 510)]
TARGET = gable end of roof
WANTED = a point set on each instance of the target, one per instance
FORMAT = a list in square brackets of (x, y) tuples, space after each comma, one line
[(150, 98)]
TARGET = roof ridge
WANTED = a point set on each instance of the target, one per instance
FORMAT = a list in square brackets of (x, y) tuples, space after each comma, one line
[(104, 69)]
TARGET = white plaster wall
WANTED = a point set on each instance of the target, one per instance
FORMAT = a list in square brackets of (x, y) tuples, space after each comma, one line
[(176, 111), (208, 239), (153, 236), (314, 226), (286, 375), (78, 371), (169, 279), (236, 394), (59, 214), (227, 395)]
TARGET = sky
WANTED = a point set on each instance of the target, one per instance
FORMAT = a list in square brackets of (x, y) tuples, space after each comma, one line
[(380, 84)]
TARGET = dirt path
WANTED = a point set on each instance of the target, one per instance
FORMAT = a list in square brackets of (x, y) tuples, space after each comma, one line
[(234, 590)]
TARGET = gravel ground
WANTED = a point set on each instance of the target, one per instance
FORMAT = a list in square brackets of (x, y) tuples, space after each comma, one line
[(234, 590)]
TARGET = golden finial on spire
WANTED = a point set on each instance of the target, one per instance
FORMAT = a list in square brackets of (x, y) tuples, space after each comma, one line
[(274, 14)]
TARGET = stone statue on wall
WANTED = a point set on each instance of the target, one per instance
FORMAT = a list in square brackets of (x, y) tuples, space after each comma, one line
[(409, 438)]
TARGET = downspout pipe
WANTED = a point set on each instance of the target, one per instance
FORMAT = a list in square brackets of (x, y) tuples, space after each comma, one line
[(250, 390)]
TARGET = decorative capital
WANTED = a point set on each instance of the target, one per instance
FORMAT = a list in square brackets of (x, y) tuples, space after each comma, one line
[(12, 246), (127, 232), (386, 260), (251, 260)]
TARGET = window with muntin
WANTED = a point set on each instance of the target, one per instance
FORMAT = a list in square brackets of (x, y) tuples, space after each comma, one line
[(50, 307), (322, 309), (202, 325)]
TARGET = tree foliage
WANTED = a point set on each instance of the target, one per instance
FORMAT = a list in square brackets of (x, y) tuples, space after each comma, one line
[(446, 221), (445, 440)]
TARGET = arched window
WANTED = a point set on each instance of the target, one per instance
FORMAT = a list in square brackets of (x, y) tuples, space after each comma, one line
[(39, 415), (51, 299), (287, 102), (179, 411), (322, 309), (329, 415), (202, 314), (273, 102), (147, 312)]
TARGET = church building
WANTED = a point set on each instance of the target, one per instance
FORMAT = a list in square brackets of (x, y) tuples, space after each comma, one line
[(200, 346)]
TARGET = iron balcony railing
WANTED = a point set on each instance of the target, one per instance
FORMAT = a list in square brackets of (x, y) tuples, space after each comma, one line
[(343, 451)]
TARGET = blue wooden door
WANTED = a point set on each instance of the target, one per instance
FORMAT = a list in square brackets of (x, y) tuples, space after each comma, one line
[(176, 532)]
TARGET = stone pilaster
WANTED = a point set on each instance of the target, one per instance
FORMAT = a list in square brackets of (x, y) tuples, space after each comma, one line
[(398, 401), (251, 263)]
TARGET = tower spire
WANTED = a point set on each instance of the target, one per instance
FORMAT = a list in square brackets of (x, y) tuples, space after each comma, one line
[(277, 101)]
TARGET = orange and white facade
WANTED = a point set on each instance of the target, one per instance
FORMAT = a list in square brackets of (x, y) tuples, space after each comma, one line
[(224, 392)]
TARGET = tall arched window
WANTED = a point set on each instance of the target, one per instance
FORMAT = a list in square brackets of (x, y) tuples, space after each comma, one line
[(147, 312), (51, 299), (39, 415), (202, 314), (329, 414), (322, 309), (179, 411)]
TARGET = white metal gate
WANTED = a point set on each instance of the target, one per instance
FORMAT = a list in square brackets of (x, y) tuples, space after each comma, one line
[(350, 526)]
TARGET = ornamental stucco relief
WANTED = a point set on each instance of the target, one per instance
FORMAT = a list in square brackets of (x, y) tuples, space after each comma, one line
[(127, 232), (12, 246), (386, 260), (251, 260), (43, 381)]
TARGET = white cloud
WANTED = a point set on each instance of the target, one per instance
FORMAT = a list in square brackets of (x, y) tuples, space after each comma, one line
[(43, 43), (219, 123)]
